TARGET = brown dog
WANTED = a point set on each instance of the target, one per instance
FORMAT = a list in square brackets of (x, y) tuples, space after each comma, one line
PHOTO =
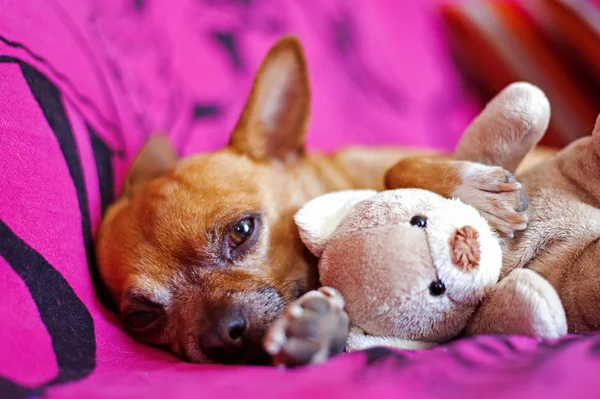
[(202, 254)]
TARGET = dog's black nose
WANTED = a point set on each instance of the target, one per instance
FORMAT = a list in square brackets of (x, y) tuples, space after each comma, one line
[(224, 342)]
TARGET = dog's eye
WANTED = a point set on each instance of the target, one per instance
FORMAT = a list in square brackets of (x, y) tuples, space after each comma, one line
[(241, 232), (419, 221), (437, 288), (141, 319), (240, 238)]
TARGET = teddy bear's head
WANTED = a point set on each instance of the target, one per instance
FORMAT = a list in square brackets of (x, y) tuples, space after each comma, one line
[(409, 263)]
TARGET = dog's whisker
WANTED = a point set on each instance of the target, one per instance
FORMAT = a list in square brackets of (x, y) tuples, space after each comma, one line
[(271, 284), (288, 284)]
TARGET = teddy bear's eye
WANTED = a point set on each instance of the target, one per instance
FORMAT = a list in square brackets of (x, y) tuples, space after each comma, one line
[(419, 221), (437, 288)]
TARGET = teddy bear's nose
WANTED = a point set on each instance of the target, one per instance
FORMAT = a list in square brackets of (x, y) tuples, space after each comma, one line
[(465, 249)]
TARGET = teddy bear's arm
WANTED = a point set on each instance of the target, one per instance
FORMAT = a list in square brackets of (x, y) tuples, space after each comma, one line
[(523, 303), (358, 340)]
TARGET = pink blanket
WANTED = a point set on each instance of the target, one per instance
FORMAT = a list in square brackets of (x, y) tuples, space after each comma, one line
[(83, 84)]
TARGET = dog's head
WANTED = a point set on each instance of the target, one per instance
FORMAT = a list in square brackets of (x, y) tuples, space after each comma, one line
[(202, 253)]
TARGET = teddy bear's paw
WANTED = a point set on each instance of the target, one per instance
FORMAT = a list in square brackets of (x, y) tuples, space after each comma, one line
[(496, 193), (310, 330)]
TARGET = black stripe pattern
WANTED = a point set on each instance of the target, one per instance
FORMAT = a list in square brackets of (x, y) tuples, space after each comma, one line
[(64, 315)]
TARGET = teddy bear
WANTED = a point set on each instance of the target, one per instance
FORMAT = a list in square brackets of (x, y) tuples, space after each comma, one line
[(412, 281), (415, 268)]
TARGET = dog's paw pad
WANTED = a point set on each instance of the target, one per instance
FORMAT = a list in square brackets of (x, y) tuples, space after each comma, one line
[(310, 330)]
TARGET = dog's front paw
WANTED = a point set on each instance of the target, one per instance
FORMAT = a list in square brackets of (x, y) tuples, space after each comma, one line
[(310, 330), (496, 193)]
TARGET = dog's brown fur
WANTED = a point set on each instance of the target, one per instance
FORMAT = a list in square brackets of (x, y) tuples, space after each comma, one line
[(164, 248)]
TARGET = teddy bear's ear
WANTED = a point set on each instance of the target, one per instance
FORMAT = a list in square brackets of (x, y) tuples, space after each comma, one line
[(508, 128), (318, 219)]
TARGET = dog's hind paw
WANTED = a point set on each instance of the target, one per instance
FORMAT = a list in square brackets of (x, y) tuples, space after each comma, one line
[(312, 329)]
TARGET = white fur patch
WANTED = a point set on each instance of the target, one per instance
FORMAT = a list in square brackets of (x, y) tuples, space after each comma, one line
[(155, 291), (466, 287)]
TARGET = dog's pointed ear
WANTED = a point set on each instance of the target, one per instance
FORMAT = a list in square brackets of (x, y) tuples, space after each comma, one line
[(154, 159), (274, 120), (508, 128), (318, 218)]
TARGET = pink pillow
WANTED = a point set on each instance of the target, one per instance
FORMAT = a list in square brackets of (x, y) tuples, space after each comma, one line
[(83, 84)]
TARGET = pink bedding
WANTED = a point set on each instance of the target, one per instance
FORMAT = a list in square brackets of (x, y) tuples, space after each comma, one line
[(84, 83)]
